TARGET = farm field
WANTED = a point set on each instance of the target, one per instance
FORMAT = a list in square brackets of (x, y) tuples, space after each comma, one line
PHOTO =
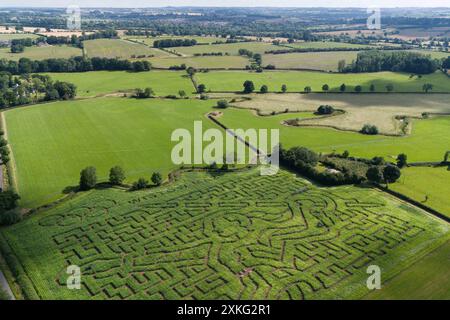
[(104, 82), (41, 53), (117, 48), (427, 279), (273, 237), (326, 45), (428, 142), (51, 143), (10, 36), (149, 41), (296, 81), (377, 109), (419, 183), (230, 48), (327, 61), (221, 62)]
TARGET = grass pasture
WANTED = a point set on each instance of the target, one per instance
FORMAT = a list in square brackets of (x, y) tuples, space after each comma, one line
[(41, 53), (229, 48), (428, 141), (117, 48), (105, 82), (419, 183), (207, 62), (234, 236), (326, 45), (296, 81), (326, 61), (427, 279), (11, 36), (51, 143)]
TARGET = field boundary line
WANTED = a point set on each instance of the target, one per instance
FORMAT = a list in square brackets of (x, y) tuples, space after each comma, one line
[(11, 165), (413, 202)]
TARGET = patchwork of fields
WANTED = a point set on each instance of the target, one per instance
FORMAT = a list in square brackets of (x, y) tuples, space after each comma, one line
[(216, 234), (236, 236), (428, 142)]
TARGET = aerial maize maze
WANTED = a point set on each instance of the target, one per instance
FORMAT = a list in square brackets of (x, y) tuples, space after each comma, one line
[(232, 236)]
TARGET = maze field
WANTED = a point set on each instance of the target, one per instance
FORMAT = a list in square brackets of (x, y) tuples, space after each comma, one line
[(232, 236)]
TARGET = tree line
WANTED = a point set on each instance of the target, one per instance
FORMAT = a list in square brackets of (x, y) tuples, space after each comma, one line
[(403, 61), (74, 64), (167, 43)]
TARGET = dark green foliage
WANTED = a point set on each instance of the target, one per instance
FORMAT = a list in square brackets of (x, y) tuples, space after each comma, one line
[(283, 88), (249, 87), (391, 173), (75, 64), (116, 175), (88, 178), (300, 154), (157, 178), (143, 94), (141, 183), (201, 88), (358, 88), (374, 174), (325, 109), (222, 104), (167, 43), (342, 88), (369, 129), (402, 160), (8, 202), (264, 89), (397, 61)]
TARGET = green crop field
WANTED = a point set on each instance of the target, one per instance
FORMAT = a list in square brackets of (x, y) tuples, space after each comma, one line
[(105, 82), (234, 236), (296, 81), (230, 48), (10, 36), (327, 61), (427, 185), (326, 45), (51, 143), (117, 48), (224, 62), (428, 142), (428, 278), (41, 53)]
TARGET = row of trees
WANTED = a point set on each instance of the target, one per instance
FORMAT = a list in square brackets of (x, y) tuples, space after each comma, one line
[(75, 64), (27, 89), (405, 61), (167, 43), (88, 178)]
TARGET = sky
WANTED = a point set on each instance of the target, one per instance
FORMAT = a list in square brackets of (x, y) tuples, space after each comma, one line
[(227, 3)]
